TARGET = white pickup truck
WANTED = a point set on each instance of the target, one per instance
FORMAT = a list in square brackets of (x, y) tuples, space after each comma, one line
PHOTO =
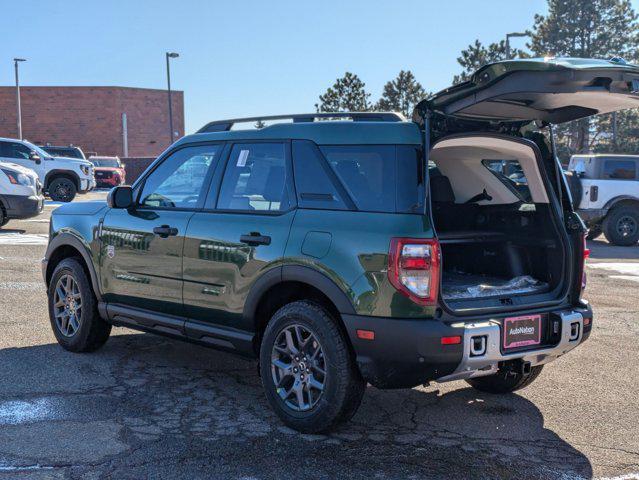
[(605, 191), (61, 177)]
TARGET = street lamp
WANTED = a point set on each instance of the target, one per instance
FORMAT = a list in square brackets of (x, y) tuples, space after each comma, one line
[(513, 35), (168, 82), (15, 62)]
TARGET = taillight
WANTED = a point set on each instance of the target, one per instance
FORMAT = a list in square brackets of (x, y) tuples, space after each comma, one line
[(413, 268), (586, 254)]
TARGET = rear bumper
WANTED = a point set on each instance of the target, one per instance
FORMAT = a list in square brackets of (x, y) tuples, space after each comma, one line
[(20, 206), (406, 353)]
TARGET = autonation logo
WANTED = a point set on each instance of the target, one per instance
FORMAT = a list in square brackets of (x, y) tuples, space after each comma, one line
[(522, 331)]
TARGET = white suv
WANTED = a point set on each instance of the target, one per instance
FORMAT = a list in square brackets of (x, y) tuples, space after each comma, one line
[(61, 177), (605, 191), (20, 193)]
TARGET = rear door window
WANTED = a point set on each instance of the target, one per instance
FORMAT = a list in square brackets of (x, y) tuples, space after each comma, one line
[(256, 178), (620, 169), (379, 178)]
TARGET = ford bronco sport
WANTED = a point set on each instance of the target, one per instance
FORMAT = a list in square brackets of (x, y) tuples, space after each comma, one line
[(340, 252)]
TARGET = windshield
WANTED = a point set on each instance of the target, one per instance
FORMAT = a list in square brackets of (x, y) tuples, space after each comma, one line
[(105, 162), (511, 174), (37, 149), (64, 152)]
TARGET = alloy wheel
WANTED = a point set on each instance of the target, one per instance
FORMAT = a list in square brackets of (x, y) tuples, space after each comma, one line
[(67, 305), (298, 368), (626, 226)]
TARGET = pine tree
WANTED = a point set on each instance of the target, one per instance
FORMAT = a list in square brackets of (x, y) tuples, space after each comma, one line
[(477, 55), (348, 94), (589, 29), (401, 94)]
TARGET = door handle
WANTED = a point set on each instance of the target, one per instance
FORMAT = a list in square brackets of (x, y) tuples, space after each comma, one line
[(255, 238), (164, 231)]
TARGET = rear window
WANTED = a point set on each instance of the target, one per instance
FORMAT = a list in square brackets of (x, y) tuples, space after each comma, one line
[(511, 174), (379, 178), (620, 169)]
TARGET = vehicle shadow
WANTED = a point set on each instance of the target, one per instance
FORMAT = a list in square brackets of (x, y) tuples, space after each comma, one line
[(12, 230), (600, 249), (143, 396)]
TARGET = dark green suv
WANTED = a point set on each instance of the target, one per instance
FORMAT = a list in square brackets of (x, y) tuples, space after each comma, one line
[(341, 249)]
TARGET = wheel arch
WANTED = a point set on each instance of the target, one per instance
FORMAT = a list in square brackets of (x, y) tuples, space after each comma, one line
[(288, 283), (53, 174), (64, 246), (621, 200)]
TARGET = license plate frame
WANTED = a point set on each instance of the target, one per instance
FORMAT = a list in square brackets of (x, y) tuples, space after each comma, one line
[(513, 338)]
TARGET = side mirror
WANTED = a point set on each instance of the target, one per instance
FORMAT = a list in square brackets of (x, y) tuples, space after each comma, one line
[(120, 197), (35, 157)]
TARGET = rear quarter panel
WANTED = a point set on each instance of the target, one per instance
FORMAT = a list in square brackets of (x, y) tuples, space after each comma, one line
[(351, 248)]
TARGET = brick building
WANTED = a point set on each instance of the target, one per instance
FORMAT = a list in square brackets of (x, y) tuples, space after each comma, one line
[(94, 118)]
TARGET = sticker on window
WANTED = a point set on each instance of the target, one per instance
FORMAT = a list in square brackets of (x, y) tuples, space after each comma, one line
[(241, 160)]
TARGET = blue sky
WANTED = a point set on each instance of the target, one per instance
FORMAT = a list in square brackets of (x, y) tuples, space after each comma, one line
[(241, 58)]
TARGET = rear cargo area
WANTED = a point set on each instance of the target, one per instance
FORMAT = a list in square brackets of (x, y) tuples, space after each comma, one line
[(498, 234)]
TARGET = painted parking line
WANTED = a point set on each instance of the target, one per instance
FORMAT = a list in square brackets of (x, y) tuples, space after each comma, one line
[(625, 271), (13, 238)]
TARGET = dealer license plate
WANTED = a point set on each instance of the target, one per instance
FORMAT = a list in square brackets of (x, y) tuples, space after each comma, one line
[(522, 331)]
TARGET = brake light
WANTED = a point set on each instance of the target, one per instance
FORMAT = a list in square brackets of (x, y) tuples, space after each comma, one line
[(586, 254), (413, 268)]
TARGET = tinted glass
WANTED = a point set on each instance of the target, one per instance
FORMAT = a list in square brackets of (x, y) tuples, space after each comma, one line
[(315, 189), (14, 150), (511, 174), (368, 173), (620, 169), (410, 179), (255, 178), (63, 152), (179, 180)]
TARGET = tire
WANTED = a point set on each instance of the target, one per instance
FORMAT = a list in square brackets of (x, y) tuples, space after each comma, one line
[(593, 232), (89, 331), (621, 226), (62, 189), (505, 381), (3, 218), (343, 386), (575, 187)]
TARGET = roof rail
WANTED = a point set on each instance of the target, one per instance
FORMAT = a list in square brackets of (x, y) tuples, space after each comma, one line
[(226, 125)]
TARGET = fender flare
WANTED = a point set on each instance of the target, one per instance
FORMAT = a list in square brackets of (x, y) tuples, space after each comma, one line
[(296, 273), (615, 200), (68, 239), (62, 173)]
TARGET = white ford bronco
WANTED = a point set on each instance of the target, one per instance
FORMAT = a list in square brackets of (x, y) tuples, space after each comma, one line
[(61, 177), (605, 191)]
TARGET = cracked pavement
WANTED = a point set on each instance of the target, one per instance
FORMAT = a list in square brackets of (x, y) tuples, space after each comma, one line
[(146, 406)]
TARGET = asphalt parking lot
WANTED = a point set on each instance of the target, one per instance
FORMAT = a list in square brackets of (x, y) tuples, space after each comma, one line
[(145, 406)]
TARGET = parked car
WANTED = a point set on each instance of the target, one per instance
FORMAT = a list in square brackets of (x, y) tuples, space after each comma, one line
[(338, 253), (109, 171), (70, 152), (20, 193), (605, 191), (61, 177)]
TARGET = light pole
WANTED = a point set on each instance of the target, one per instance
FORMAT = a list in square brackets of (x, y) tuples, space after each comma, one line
[(15, 62), (512, 35), (168, 82)]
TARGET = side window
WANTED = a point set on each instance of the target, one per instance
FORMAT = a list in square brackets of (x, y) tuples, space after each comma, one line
[(315, 189), (15, 150), (179, 180), (367, 172), (620, 169), (256, 178), (511, 174)]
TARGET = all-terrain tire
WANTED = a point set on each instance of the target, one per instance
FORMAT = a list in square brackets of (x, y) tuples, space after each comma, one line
[(505, 381), (3, 216), (62, 189), (343, 383), (93, 331), (621, 226)]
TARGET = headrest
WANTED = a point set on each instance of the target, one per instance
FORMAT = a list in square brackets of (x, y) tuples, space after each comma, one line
[(441, 190)]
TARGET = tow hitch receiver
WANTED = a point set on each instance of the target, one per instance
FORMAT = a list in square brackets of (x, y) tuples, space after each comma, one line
[(516, 366)]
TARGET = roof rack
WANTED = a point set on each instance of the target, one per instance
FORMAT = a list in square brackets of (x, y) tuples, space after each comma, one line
[(226, 125)]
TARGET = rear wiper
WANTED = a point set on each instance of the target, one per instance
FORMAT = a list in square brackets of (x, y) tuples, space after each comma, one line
[(479, 197)]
